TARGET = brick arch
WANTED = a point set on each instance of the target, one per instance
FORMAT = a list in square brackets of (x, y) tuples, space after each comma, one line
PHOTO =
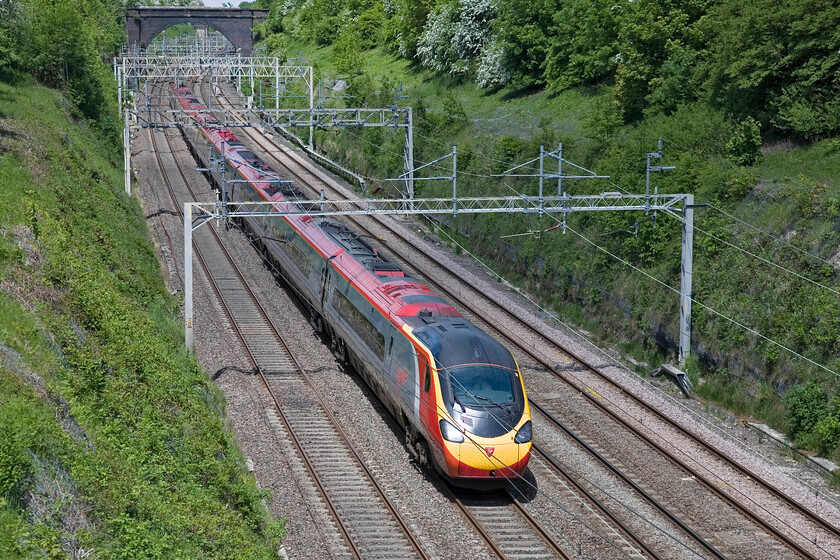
[(143, 24)]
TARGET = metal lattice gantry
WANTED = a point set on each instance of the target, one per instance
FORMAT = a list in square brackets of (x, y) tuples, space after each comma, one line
[(145, 66), (149, 117), (204, 41), (197, 214), (248, 74), (149, 66)]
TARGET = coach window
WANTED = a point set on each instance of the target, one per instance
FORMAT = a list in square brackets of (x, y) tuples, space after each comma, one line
[(427, 384), (296, 254), (371, 336)]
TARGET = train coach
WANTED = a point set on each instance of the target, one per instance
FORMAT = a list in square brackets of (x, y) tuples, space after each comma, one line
[(458, 393)]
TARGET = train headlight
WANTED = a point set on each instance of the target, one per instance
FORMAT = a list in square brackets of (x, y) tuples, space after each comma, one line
[(524, 434), (450, 432)]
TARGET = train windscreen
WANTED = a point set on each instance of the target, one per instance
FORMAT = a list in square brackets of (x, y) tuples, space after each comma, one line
[(482, 384)]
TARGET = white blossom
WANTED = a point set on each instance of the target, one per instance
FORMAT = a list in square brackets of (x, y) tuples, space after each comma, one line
[(491, 71), (455, 36)]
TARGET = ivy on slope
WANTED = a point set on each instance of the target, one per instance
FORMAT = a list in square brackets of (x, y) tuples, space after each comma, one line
[(118, 410)]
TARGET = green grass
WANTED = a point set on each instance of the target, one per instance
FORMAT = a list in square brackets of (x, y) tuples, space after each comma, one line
[(819, 162), (141, 463)]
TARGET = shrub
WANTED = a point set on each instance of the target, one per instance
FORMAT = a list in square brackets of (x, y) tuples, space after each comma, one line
[(455, 35), (348, 59), (806, 405), (744, 146), (491, 71), (828, 432), (369, 27)]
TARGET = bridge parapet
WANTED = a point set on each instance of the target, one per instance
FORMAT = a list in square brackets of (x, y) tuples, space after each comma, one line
[(142, 24)]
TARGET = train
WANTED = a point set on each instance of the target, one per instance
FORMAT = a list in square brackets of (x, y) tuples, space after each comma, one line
[(457, 392)]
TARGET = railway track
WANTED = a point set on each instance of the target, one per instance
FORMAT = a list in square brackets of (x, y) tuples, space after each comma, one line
[(507, 528), (826, 532), (539, 539), (369, 523)]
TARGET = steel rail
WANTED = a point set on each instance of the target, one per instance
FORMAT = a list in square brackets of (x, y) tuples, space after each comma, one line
[(537, 526), (595, 501), (306, 459)]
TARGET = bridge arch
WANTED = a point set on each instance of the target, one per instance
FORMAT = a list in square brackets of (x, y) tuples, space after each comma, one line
[(143, 24)]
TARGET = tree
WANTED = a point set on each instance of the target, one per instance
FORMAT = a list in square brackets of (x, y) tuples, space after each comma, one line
[(806, 405), (409, 19), (652, 33), (348, 58), (455, 35), (778, 62), (523, 30), (585, 46), (11, 28)]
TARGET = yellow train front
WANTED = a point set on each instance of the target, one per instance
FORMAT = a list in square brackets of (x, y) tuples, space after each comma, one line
[(476, 414)]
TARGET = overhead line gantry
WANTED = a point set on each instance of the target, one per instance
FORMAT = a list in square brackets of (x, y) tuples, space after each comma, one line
[(240, 70)]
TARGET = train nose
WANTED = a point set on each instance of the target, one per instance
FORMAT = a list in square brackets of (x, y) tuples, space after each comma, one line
[(496, 460)]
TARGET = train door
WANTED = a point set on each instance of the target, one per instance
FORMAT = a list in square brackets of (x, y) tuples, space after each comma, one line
[(403, 373)]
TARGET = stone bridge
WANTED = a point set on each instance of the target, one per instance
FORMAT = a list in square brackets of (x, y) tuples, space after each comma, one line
[(236, 24)]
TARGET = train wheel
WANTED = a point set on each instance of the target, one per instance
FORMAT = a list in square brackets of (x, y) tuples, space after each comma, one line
[(339, 349), (423, 454), (417, 446)]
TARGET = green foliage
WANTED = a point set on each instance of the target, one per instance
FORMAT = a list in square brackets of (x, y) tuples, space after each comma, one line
[(522, 27), (142, 437), (777, 62), (744, 147), (61, 42), (455, 35), (655, 63), (806, 406), (508, 150), (28, 430), (654, 32), (11, 35), (348, 59), (774, 63), (408, 22), (369, 27), (586, 44), (276, 46), (827, 431)]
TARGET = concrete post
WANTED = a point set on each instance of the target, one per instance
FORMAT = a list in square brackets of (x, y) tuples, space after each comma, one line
[(685, 278), (188, 280), (127, 151)]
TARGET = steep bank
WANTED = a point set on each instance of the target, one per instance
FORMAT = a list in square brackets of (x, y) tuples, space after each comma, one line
[(112, 439)]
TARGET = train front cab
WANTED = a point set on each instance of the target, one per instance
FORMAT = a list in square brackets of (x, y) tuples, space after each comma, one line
[(476, 412)]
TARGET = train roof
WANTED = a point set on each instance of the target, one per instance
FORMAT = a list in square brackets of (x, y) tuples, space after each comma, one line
[(360, 249), (408, 298), (455, 341)]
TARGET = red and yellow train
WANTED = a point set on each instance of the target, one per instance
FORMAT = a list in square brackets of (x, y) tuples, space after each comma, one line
[(456, 391)]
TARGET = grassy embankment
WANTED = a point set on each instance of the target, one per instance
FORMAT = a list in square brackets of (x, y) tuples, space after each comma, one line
[(111, 436), (793, 194)]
